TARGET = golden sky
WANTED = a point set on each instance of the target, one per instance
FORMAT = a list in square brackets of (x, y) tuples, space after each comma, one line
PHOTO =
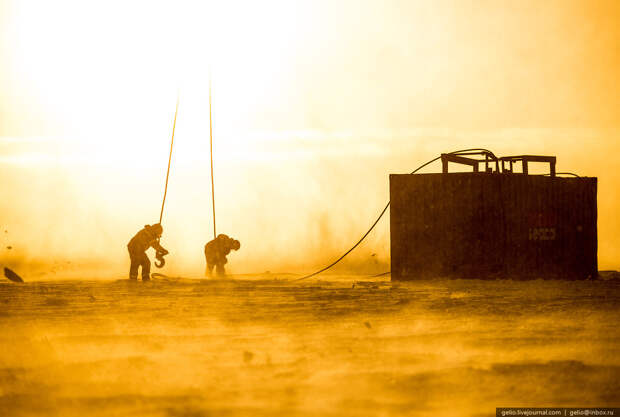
[(315, 102), (312, 65)]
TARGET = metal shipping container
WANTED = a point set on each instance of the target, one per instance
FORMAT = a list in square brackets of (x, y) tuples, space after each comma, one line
[(493, 225)]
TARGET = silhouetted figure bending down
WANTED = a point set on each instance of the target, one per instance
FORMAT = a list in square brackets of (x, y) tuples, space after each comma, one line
[(216, 251), (144, 239)]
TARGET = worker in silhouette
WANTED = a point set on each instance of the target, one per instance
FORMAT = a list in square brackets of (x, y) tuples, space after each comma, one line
[(216, 252), (144, 239)]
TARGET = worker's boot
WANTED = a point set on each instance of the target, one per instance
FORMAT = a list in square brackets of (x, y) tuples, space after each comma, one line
[(146, 277)]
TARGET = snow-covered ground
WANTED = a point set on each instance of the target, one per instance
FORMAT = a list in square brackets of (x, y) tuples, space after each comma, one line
[(338, 346)]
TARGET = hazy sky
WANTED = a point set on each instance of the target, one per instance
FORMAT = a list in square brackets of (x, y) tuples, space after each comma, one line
[(314, 103), (314, 65)]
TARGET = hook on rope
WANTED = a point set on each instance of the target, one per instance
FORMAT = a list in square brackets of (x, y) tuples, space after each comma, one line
[(159, 258)]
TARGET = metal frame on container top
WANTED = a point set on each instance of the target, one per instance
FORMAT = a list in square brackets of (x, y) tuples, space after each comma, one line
[(504, 164)]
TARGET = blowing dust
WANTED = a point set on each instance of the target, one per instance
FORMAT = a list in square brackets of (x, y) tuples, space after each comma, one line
[(339, 347), (315, 103)]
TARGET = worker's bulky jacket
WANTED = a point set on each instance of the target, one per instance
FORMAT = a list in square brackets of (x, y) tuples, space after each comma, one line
[(144, 239), (217, 249)]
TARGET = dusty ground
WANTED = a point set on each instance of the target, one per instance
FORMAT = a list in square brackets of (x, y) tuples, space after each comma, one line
[(263, 347)]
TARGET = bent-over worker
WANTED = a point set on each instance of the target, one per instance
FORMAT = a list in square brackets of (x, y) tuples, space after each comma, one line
[(216, 252), (144, 239)]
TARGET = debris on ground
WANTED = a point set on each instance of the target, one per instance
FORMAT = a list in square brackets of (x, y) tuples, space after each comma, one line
[(12, 275)]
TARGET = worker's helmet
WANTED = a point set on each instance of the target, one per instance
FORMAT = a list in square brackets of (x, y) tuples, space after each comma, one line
[(158, 229), (236, 245)]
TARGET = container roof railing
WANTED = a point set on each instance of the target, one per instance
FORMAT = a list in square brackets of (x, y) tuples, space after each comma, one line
[(525, 160), (504, 164), (464, 158)]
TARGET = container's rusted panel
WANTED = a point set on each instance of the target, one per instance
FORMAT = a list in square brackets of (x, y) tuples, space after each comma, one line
[(478, 225)]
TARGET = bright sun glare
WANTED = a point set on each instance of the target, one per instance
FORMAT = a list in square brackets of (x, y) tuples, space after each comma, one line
[(126, 61)]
